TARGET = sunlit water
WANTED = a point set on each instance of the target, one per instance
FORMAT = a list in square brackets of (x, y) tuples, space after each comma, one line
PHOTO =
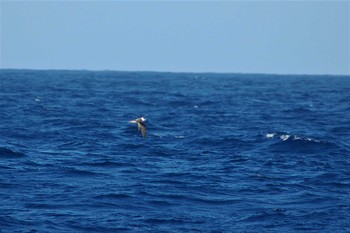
[(224, 152)]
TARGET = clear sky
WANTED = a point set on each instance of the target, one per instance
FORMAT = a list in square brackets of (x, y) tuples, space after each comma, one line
[(300, 37)]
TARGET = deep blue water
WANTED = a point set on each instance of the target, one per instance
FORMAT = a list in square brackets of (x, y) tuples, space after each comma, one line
[(224, 152)]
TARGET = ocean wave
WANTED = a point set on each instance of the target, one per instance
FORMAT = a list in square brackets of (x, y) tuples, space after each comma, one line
[(175, 199), (113, 196), (10, 154), (82, 173), (283, 142), (170, 220), (11, 221), (228, 141), (107, 163), (6, 185)]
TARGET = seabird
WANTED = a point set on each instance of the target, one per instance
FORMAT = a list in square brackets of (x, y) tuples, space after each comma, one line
[(140, 125)]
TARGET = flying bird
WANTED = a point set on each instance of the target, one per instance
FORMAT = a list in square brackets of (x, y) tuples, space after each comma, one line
[(140, 125)]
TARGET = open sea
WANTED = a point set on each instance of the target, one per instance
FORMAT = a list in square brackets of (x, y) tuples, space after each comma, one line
[(223, 152)]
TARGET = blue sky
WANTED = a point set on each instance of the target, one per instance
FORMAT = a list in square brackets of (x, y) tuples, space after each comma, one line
[(300, 37)]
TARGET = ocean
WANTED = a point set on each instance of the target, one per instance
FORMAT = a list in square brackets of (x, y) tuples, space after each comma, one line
[(223, 152)]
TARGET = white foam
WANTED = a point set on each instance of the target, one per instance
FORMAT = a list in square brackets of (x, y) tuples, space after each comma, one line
[(37, 99), (270, 135), (284, 137)]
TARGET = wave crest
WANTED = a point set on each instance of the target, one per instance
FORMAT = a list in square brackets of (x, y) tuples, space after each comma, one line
[(282, 142), (8, 153)]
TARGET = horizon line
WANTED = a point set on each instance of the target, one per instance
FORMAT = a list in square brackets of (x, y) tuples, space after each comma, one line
[(179, 72)]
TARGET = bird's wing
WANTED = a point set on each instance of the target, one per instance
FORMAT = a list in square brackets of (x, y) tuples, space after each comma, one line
[(143, 128)]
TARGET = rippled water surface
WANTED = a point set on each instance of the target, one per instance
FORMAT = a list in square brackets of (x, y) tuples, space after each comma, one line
[(224, 152)]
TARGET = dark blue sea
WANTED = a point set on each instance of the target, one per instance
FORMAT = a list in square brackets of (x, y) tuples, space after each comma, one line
[(223, 152)]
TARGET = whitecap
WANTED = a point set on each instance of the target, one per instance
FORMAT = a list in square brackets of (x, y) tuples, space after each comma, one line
[(284, 137), (270, 135), (305, 139)]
